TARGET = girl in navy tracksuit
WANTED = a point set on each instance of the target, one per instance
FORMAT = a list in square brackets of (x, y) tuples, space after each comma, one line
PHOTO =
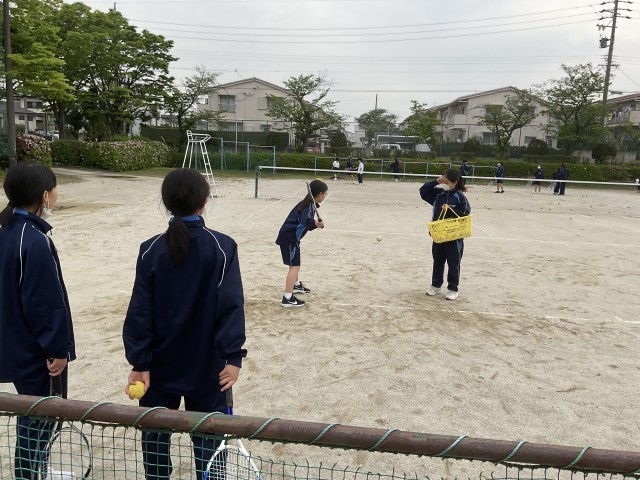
[(185, 327), (299, 221), (36, 332), (447, 191)]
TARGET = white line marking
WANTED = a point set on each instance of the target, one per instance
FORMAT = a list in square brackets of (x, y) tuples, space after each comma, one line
[(608, 223), (464, 312), (475, 225)]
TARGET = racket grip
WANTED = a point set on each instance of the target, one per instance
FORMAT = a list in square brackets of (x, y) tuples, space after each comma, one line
[(228, 397)]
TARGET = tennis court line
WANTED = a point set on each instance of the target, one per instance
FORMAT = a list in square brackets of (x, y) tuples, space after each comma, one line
[(608, 223), (271, 205), (490, 237), (464, 312), (475, 225)]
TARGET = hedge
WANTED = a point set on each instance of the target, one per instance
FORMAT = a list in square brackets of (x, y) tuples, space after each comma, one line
[(114, 156)]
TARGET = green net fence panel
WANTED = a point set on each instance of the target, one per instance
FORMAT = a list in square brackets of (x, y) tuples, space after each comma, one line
[(37, 447)]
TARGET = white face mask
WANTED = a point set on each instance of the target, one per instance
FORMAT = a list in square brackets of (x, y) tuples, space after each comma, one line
[(444, 187), (46, 211)]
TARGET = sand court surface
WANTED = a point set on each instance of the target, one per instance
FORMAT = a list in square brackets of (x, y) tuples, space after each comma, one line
[(542, 343)]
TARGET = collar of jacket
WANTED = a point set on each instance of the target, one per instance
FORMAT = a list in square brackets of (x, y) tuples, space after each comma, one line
[(40, 223), (194, 220)]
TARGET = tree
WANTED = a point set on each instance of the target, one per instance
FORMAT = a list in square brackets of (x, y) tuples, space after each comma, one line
[(37, 70), (537, 147), (307, 108), (423, 123), (118, 74), (338, 139), (573, 105), (502, 120), (377, 120), (603, 151), (182, 102)]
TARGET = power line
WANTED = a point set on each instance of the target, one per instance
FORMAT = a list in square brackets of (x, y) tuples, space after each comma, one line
[(379, 34), (365, 28), (216, 39)]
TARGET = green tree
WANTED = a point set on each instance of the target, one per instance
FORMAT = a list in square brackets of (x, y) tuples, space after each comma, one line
[(502, 120), (338, 139), (37, 69), (307, 108), (118, 73), (573, 105), (602, 152), (423, 123), (537, 147), (377, 120), (181, 102)]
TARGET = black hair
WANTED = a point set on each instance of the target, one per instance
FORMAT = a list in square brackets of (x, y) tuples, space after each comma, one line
[(317, 187), (24, 186), (455, 177), (184, 192)]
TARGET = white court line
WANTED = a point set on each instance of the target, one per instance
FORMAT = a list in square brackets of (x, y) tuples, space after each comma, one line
[(608, 223), (491, 238), (465, 312), (271, 205), (483, 231)]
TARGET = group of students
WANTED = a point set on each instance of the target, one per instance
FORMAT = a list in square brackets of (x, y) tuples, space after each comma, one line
[(187, 302), (349, 168)]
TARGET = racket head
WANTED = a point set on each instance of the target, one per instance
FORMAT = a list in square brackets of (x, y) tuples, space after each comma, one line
[(68, 455), (231, 462)]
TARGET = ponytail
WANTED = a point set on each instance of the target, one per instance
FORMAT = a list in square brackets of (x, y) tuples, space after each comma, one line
[(178, 240), (6, 215)]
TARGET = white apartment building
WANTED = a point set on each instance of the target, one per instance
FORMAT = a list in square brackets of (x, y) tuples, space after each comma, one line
[(245, 104), (460, 119)]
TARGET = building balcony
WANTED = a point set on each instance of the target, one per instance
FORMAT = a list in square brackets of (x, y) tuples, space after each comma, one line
[(457, 121), (618, 118)]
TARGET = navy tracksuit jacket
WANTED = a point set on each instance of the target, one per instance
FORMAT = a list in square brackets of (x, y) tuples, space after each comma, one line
[(35, 325), (35, 319), (446, 252), (296, 225)]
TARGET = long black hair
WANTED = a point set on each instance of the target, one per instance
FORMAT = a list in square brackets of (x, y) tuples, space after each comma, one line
[(317, 187), (24, 186), (455, 177), (184, 192)]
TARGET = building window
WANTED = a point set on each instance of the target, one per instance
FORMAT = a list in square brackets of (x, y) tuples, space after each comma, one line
[(527, 140), (265, 127), (488, 138), (231, 126), (21, 117), (461, 111), (33, 104), (492, 111), (550, 142), (227, 103)]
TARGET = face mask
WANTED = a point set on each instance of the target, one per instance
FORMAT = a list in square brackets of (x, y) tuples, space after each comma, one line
[(46, 211), (444, 187)]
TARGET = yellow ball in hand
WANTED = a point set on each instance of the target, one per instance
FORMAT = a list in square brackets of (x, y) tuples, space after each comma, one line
[(137, 390)]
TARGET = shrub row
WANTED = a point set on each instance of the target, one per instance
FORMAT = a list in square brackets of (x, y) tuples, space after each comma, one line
[(114, 156)]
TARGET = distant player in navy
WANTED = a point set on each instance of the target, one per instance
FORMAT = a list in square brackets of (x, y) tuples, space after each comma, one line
[(538, 174), (562, 175), (395, 168), (299, 221), (499, 178), (446, 192), (464, 169), (349, 167), (184, 330)]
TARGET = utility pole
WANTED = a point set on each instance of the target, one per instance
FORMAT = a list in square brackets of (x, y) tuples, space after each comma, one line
[(11, 113), (607, 75)]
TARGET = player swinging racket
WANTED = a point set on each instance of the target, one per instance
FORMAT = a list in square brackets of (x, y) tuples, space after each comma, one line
[(185, 327), (299, 221)]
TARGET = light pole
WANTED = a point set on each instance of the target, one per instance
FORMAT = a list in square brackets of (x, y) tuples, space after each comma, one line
[(11, 113)]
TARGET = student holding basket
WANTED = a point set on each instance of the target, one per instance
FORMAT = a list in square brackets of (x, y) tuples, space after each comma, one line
[(449, 202)]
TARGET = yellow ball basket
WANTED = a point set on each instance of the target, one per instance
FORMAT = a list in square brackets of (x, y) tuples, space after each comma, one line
[(449, 229)]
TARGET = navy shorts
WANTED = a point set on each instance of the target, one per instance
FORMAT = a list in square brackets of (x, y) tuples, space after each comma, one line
[(290, 254), (499, 180)]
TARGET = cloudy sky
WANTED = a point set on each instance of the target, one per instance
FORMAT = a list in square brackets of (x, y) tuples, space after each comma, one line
[(402, 50)]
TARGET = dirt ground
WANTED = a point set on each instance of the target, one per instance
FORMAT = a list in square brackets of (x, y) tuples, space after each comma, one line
[(542, 343)]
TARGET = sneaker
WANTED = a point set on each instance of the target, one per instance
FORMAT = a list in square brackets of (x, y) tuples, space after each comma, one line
[(300, 288), (451, 295), (292, 302), (497, 191), (433, 291), (501, 191)]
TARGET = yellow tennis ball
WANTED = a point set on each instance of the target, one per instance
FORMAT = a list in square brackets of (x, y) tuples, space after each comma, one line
[(137, 390), (379, 238)]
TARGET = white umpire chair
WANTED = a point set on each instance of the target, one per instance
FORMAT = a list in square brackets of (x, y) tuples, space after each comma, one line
[(196, 147)]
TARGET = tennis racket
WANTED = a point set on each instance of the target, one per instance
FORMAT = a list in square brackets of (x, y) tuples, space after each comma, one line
[(529, 183), (313, 202), (231, 462), (68, 454)]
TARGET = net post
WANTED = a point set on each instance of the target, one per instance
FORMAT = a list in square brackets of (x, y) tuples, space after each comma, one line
[(257, 179), (248, 157)]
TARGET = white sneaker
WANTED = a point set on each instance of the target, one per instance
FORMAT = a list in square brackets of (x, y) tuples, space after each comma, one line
[(433, 291), (451, 295)]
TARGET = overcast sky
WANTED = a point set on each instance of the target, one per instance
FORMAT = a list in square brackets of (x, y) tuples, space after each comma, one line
[(402, 50)]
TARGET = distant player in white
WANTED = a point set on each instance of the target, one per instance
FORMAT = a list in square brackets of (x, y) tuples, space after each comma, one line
[(360, 170)]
